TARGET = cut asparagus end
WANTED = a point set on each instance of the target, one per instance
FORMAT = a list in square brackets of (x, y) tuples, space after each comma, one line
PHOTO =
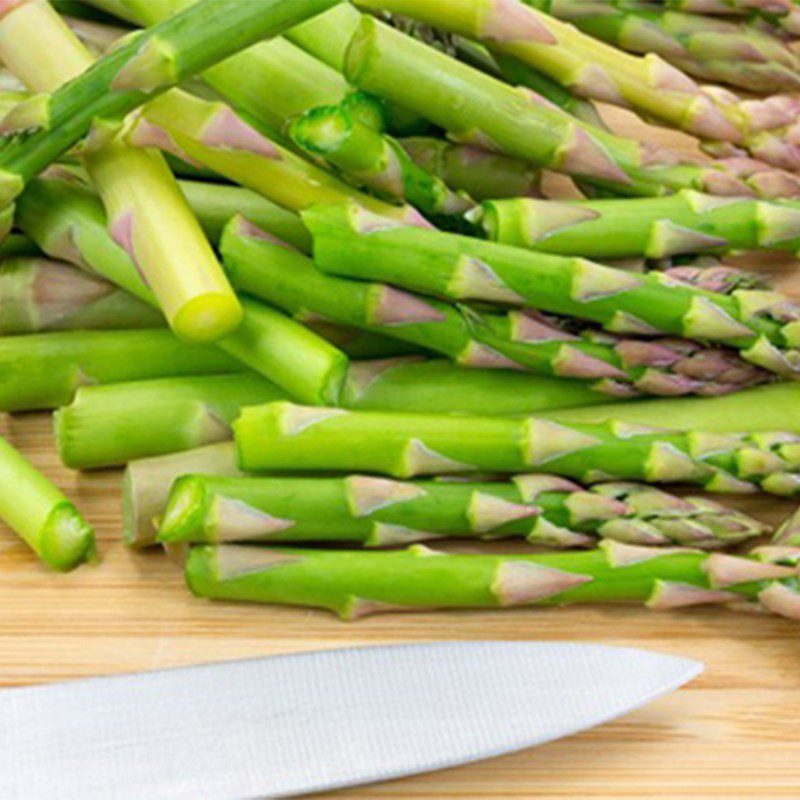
[(66, 540), (208, 317)]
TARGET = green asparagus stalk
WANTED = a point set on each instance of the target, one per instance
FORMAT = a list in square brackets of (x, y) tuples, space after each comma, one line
[(45, 370), (715, 50), (283, 436), (657, 227), (110, 425), (132, 74), (375, 512), (213, 135), (518, 340), (294, 357), (374, 160), (148, 481), (355, 584), (763, 326), (65, 219), (781, 12), (40, 514), (38, 295), (764, 408), (482, 174), (440, 387), (215, 204), (583, 64), (492, 114)]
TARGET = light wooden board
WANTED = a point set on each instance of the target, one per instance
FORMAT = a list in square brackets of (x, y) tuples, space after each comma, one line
[(733, 733)]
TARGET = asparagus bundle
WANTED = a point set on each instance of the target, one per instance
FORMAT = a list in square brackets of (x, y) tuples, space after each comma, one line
[(585, 65), (615, 366), (492, 114), (168, 246), (716, 50), (67, 220), (147, 483), (37, 294), (482, 174), (137, 70), (354, 584), (40, 514), (376, 512), (45, 370), (284, 436), (764, 326), (657, 227), (106, 426)]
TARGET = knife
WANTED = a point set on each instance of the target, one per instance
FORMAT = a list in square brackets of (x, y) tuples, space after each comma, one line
[(293, 724)]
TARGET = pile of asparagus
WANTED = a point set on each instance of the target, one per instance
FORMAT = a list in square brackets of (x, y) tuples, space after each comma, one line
[(293, 264)]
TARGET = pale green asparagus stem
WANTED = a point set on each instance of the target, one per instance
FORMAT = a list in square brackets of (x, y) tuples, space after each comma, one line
[(764, 326), (38, 295), (354, 584), (132, 74), (40, 514), (283, 436), (375, 512), (110, 425), (618, 367), (657, 227), (45, 370), (148, 481)]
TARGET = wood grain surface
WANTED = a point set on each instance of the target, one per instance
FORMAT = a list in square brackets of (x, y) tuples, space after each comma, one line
[(733, 733)]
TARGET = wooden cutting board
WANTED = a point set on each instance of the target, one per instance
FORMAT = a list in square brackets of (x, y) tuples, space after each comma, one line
[(733, 733)]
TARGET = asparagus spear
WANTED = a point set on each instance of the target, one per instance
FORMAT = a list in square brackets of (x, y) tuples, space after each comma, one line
[(780, 12), (354, 584), (106, 426), (40, 514), (64, 219), (492, 114), (656, 227), (45, 370), (148, 481), (38, 295), (715, 50), (480, 173), (283, 436), (213, 135), (764, 408), (136, 71), (764, 326), (374, 160), (440, 387), (517, 340), (376, 512)]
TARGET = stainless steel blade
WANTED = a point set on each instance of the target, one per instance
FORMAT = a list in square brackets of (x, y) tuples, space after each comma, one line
[(288, 725)]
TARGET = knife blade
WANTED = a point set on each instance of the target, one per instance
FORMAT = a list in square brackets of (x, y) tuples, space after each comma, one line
[(287, 725)]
